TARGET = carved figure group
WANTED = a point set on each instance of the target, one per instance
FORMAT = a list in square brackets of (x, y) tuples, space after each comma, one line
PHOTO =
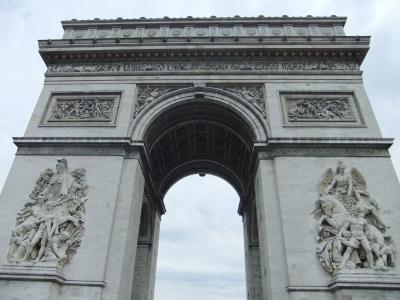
[(351, 233), (190, 66), (83, 109), (148, 94), (50, 226), (252, 94), (320, 109)]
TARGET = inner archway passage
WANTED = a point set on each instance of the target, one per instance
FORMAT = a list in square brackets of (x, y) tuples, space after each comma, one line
[(200, 137), (201, 242)]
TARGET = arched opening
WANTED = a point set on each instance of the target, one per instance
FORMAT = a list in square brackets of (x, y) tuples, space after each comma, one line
[(201, 242), (203, 135), (199, 137)]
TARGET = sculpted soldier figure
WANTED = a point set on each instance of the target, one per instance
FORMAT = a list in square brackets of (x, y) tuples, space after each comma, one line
[(357, 226), (51, 222), (351, 232)]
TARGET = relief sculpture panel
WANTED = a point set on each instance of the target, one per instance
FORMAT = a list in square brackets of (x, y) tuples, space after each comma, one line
[(328, 109), (50, 226), (351, 232), (85, 109), (149, 93), (252, 94), (206, 66)]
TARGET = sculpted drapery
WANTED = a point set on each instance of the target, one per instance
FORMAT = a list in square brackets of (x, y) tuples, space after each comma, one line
[(351, 233), (50, 226)]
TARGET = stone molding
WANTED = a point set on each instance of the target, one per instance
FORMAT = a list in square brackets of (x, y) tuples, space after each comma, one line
[(323, 147), (43, 272), (124, 146), (81, 109), (352, 279), (251, 94), (326, 109), (193, 67), (201, 93), (205, 27), (285, 19)]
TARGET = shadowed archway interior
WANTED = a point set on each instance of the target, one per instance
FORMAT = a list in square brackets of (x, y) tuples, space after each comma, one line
[(201, 137)]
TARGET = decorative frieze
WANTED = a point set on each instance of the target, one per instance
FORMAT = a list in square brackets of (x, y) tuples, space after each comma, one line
[(203, 66), (50, 226), (319, 108), (351, 232), (82, 109)]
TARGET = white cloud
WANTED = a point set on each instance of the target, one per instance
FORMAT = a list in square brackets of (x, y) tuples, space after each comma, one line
[(201, 242), (199, 218)]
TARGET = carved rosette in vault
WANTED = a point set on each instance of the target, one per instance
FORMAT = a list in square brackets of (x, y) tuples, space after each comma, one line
[(50, 226), (351, 233)]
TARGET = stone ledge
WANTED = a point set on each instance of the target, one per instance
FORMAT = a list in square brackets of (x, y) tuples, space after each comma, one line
[(42, 272), (273, 147), (350, 141), (363, 278), (355, 279), (284, 20)]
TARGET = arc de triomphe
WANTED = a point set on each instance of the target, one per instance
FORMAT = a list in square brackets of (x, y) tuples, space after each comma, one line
[(275, 106)]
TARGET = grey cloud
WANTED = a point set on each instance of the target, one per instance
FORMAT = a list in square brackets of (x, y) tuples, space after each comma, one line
[(192, 216)]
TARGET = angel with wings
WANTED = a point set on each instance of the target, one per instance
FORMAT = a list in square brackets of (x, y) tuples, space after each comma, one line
[(340, 184), (351, 189), (344, 198)]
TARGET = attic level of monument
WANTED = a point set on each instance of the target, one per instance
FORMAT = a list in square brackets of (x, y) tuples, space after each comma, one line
[(252, 39), (171, 21)]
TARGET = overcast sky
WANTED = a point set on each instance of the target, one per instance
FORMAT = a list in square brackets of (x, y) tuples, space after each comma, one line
[(186, 268)]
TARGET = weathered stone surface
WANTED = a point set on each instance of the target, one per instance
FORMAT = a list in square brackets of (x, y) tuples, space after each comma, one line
[(351, 231), (268, 104), (50, 226)]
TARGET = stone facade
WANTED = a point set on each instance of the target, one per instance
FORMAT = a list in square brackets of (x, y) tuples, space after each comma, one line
[(272, 105)]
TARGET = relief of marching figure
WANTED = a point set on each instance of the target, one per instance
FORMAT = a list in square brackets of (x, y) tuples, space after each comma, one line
[(50, 226), (351, 233)]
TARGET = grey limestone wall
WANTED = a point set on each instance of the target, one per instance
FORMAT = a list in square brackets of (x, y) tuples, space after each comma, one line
[(107, 224), (295, 82), (287, 190), (85, 128)]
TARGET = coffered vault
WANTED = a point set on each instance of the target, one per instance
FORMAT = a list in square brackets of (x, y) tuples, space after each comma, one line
[(275, 106)]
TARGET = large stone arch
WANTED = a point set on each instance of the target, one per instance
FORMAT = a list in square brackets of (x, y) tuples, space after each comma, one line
[(251, 115), (199, 122), (95, 130), (214, 108)]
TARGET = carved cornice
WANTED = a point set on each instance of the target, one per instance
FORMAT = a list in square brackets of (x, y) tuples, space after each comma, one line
[(213, 20), (275, 146), (323, 147), (383, 143), (212, 29), (161, 49)]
